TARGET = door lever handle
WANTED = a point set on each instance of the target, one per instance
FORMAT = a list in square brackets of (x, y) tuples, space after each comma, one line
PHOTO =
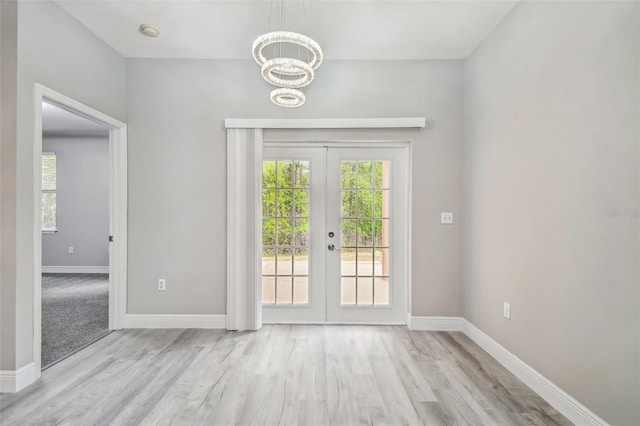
[(332, 247)]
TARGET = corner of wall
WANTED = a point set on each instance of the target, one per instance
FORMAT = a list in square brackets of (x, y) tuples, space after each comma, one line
[(8, 181)]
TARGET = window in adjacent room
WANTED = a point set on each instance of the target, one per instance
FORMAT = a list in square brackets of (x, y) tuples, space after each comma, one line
[(49, 192)]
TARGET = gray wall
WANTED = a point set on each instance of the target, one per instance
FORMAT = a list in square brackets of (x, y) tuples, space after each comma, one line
[(58, 52), (8, 100), (551, 147), (82, 202), (177, 168), (551, 197)]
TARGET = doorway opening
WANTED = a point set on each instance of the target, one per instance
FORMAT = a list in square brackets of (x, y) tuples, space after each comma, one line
[(75, 230), (335, 234), (79, 226)]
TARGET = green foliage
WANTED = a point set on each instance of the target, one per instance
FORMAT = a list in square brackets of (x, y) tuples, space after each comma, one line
[(362, 200), (285, 203)]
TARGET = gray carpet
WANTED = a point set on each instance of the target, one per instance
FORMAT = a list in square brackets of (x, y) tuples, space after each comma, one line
[(75, 313)]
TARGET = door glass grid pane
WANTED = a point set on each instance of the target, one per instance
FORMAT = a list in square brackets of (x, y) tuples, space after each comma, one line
[(365, 228), (285, 232)]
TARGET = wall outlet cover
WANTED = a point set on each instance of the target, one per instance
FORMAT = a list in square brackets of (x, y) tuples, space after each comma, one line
[(446, 218)]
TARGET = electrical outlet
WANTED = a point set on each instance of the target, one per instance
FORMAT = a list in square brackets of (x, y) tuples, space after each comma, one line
[(507, 310), (446, 218), (162, 284), (70, 250)]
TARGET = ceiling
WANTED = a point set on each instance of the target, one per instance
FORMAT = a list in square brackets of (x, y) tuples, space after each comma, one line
[(359, 29), (57, 121)]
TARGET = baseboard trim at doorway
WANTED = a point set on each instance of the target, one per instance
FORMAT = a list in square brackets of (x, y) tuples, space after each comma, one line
[(15, 381), (175, 321)]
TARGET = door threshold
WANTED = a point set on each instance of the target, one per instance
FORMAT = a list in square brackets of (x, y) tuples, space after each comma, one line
[(77, 350)]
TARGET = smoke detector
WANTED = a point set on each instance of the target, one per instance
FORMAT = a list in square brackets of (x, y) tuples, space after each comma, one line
[(149, 30)]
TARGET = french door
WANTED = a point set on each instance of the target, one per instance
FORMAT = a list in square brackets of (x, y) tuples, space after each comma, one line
[(334, 234)]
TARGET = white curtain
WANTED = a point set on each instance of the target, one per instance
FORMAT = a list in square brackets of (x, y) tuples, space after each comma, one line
[(244, 229)]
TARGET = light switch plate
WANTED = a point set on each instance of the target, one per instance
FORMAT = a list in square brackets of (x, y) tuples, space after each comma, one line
[(506, 310), (446, 218)]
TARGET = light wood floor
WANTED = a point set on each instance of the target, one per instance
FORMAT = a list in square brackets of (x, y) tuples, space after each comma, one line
[(295, 375)]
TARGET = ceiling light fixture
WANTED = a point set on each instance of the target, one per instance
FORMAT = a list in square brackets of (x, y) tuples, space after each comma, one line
[(288, 98), (287, 67), (149, 30), (288, 60)]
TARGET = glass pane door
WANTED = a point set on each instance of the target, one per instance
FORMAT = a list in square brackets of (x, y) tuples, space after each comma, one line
[(334, 225), (285, 232), (365, 233), (366, 206), (293, 215)]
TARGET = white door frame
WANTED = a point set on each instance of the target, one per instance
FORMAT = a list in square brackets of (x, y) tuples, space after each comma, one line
[(399, 154), (244, 307), (117, 210), (405, 167)]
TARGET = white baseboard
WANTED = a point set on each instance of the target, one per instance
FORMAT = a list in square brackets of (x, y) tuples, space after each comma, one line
[(559, 399), (556, 397), (435, 323), (15, 381), (75, 269), (174, 321), (274, 322)]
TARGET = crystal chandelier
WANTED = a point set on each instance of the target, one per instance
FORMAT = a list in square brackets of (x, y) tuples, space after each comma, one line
[(290, 66)]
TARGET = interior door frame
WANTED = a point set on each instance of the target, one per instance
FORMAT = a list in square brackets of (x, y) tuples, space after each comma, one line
[(406, 265), (117, 210)]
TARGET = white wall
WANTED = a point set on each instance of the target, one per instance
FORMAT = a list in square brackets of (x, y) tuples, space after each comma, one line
[(58, 52), (82, 196), (552, 199), (177, 168)]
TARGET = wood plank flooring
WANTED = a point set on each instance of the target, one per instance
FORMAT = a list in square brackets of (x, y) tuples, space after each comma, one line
[(280, 375)]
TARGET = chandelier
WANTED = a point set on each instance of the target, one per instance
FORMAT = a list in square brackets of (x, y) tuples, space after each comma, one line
[(288, 60)]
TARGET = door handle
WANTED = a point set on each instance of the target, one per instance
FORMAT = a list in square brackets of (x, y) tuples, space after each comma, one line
[(332, 247)]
